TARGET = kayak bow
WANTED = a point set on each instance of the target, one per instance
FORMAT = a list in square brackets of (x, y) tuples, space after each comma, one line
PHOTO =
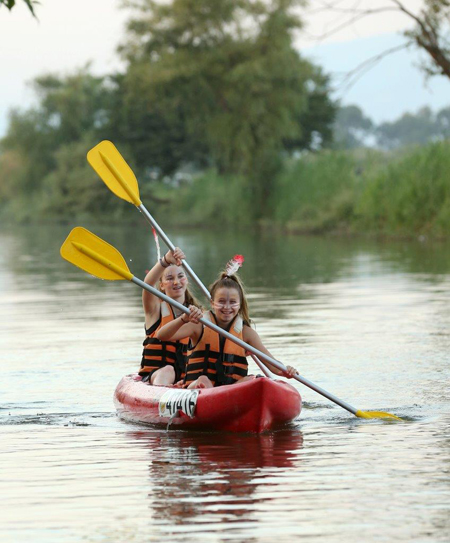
[(253, 406)]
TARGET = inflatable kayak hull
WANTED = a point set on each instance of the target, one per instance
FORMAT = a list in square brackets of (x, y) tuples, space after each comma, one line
[(254, 406)]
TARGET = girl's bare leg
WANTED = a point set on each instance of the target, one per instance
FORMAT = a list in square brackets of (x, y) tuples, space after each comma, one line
[(201, 382), (163, 376)]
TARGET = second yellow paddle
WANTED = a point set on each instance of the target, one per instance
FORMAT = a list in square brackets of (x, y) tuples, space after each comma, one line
[(120, 179)]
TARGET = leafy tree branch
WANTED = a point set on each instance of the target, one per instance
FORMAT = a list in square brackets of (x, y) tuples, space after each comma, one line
[(431, 31), (11, 3)]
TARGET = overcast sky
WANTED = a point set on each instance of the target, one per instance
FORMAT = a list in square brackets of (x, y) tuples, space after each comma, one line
[(70, 33)]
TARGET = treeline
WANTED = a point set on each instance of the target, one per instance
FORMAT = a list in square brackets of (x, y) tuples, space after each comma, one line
[(352, 129), (214, 92)]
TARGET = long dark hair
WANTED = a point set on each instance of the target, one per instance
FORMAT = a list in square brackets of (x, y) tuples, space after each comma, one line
[(232, 281)]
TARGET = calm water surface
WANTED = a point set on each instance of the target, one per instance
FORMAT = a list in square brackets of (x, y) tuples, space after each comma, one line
[(367, 321)]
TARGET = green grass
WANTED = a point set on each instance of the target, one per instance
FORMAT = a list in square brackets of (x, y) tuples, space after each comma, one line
[(212, 200), (316, 193), (410, 196), (406, 193)]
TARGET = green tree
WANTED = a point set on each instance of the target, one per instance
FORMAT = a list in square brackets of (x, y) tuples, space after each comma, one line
[(73, 189), (156, 135), (227, 74), (351, 128), (315, 122), (419, 128), (70, 109), (443, 123)]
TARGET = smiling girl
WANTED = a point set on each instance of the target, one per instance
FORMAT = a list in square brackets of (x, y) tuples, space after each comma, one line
[(164, 362), (215, 360)]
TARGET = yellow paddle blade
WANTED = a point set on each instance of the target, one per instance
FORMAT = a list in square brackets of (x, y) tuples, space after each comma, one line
[(93, 255), (376, 415), (115, 172)]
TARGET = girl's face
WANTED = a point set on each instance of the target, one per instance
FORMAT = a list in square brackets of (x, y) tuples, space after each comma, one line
[(174, 282), (226, 304)]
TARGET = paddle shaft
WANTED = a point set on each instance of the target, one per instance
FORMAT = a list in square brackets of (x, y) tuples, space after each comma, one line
[(171, 246), (244, 345)]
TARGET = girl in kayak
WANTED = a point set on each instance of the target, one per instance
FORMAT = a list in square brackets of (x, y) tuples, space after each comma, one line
[(164, 362), (215, 360)]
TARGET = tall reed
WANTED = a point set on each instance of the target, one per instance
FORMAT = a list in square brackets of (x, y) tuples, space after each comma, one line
[(316, 193), (410, 195), (214, 200)]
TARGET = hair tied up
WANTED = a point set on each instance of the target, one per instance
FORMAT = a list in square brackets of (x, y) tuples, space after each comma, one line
[(233, 265)]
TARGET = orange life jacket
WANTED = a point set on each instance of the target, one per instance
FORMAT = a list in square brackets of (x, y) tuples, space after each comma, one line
[(219, 358), (158, 354)]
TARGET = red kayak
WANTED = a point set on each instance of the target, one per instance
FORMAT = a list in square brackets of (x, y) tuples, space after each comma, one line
[(254, 406)]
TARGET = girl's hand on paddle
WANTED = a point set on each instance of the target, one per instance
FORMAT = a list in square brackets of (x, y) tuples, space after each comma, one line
[(290, 372), (175, 256), (195, 314)]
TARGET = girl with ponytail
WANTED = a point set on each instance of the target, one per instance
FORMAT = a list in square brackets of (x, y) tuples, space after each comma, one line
[(215, 360)]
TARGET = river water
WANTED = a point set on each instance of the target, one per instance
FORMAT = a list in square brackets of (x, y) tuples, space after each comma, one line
[(366, 321)]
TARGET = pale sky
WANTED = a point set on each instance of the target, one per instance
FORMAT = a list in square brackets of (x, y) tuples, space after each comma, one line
[(70, 33)]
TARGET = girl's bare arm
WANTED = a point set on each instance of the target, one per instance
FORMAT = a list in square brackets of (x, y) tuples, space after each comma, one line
[(184, 326), (176, 330)]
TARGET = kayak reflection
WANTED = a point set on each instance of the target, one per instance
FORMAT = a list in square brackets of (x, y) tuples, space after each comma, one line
[(213, 478), (274, 449)]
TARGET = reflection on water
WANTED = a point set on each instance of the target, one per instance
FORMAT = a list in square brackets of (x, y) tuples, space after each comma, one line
[(210, 478), (367, 321), (209, 450)]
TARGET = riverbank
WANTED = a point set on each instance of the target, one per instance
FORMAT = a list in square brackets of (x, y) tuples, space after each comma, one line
[(405, 194), (401, 194)]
